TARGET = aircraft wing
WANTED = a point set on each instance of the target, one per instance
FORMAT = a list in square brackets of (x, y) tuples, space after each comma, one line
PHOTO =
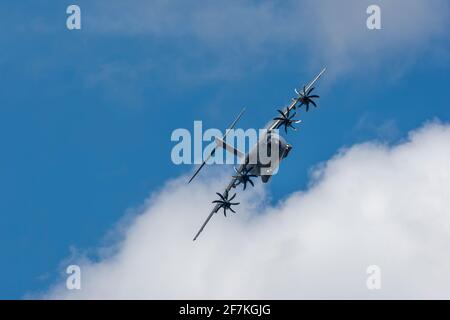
[(217, 206), (276, 123)]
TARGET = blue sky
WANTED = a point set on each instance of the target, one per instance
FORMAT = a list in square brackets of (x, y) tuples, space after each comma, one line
[(86, 116)]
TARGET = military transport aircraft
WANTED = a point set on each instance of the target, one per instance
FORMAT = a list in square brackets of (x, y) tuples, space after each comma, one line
[(252, 169)]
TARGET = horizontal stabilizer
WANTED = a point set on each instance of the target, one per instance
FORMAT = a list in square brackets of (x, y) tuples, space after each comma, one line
[(222, 144)]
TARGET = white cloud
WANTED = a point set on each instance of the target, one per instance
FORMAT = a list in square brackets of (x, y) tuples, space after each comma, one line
[(249, 34), (410, 29), (370, 204)]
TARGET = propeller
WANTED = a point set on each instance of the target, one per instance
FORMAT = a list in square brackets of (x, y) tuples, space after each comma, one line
[(287, 119), (243, 177), (225, 203), (306, 98)]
